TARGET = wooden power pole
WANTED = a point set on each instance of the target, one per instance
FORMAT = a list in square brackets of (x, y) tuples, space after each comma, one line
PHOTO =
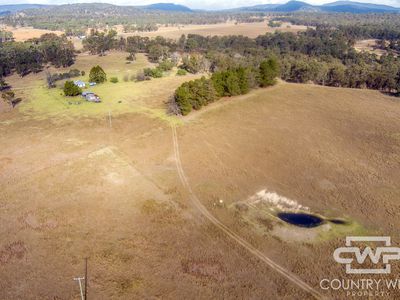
[(86, 278)]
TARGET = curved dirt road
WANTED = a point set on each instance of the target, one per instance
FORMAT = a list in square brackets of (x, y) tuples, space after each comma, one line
[(198, 205)]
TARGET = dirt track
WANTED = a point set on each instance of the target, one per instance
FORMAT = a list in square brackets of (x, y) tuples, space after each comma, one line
[(197, 203), (72, 188)]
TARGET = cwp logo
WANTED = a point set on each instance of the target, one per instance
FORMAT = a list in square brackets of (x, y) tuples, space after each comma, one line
[(383, 254)]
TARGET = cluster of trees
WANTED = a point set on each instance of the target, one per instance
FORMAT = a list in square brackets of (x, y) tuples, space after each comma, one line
[(157, 72), (140, 28), (326, 56), (193, 95), (358, 26), (274, 24), (51, 79), (31, 56), (384, 76), (391, 46), (98, 42), (198, 93)]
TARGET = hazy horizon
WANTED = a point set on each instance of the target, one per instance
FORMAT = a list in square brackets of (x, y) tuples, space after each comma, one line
[(196, 4)]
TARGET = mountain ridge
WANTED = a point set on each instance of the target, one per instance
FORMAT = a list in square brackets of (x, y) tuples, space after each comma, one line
[(291, 6)]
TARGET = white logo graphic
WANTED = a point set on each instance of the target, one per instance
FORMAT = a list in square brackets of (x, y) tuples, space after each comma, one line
[(387, 253)]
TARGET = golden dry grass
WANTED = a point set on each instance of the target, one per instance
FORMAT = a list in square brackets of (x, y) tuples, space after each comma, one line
[(76, 187), (368, 45), (22, 34), (251, 30)]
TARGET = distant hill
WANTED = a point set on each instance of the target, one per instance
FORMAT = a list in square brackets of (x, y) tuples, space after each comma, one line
[(295, 6), (339, 6), (291, 6), (12, 8), (168, 7), (98, 7), (357, 7), (260, 7)]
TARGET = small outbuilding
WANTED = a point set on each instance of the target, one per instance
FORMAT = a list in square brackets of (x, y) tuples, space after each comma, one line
[(80, 83)]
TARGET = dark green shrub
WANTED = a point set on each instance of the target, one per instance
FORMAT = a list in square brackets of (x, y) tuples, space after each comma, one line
[(97, 75), (181, 72), (70, 89), (269, 70)]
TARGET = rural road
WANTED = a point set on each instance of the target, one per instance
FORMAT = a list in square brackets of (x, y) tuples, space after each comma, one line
[(199, 206)]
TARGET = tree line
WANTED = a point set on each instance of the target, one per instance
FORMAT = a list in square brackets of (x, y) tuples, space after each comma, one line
[(232, 82), (32, 55)]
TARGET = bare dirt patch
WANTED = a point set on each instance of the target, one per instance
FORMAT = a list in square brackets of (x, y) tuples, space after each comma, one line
[(14, 250), (370, 46)]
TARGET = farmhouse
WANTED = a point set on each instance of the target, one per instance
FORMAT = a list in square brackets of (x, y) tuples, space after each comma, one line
[(80, 83)]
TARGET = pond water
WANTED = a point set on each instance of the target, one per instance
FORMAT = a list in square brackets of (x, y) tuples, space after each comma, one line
[(301, 219)]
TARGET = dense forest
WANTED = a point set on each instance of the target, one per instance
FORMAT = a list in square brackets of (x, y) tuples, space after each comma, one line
[(358, 26)]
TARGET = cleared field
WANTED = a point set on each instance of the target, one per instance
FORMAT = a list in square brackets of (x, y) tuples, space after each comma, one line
[(147, 97), (76, 187), (369, 46), (22, 34), (251, 30)]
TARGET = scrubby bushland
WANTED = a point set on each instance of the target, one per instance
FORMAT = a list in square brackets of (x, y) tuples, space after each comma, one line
[(154, 73), (194, 63), (181, 72), (166, 65), (7, 94)]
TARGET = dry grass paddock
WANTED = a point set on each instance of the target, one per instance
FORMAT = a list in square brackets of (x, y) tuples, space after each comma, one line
[(72, 185), (251, 30)]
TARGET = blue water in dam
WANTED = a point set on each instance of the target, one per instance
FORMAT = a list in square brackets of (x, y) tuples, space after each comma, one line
[(301, 219)]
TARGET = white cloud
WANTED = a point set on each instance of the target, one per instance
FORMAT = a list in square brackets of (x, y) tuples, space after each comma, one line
[(198, 4)]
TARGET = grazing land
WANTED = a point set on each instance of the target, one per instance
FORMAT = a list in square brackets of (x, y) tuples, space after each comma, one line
[(22, 34), (78, 186), (213, 159), (122, 97), (251, 30)]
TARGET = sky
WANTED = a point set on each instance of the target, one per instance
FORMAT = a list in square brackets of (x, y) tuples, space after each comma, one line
[(196, 4)]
